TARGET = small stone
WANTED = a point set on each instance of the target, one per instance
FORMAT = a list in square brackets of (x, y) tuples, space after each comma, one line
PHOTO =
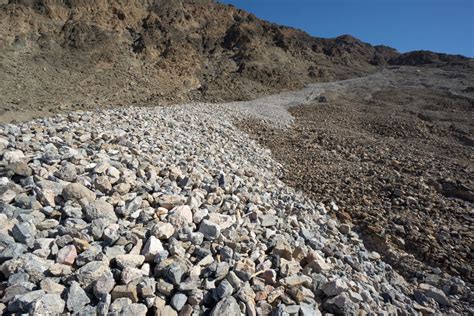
[(224, 289), (227, 306), (21, 169), (104, 285), (49, 286), (24, 232), (288, 268), (340, 304), (315, 263), (187, 310), (119, 304), (23, 301), (269, 220), (91, 272), (164, 287), (130, 274), (199, 215), (129, 260), (308, 310), (121, 188), (183, 211), (244, 269), (48, 304), (152, 247), (127, 291), (334, 288), (224, 221), (13, 156), (67, 172), (59, 270), (435, 293), (345, 229), (166, 311), (209, 229), (47, 224), (175, 272), (269, 276), (178, 300), (12, 251), (100, 209), (76, 298), (283, 249), (7, 196), (296, 280), (48, 191), (77, 192), (103, 184), (67, 255), (163, 230), (171, 201)]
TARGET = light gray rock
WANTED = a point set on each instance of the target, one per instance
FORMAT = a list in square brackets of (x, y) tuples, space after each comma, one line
[(91, 272), (129, 260), (269, 220), (12, 156), (22, 303), (178, 300), (104, 284), (226, 306), (334, 287), (308, 310), (48, 304), (67, 172), (163, 230), (76, 298), (209, 229), (100, 209), (152, 247)]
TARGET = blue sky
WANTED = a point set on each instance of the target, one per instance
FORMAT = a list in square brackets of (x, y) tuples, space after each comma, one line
[(445, 26)]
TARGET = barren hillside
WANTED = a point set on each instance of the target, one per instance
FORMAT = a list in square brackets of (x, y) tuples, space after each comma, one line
[(62, 55)]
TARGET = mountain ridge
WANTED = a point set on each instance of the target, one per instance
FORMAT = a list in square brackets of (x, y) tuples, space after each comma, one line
[(147, 52)]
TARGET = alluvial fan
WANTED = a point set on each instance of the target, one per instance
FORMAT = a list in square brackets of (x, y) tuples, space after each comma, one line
[(173, 211)]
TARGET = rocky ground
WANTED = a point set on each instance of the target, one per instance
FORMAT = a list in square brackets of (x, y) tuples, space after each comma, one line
[(177, 211), (397, 160)]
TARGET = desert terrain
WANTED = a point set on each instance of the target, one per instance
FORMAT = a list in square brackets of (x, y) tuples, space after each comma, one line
[(187, 158)]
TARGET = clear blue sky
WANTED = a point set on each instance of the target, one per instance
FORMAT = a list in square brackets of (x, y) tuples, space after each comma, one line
[(445, 26)]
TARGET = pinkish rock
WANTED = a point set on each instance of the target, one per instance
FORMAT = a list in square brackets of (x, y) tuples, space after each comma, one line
[(67, 255), (185, 212)]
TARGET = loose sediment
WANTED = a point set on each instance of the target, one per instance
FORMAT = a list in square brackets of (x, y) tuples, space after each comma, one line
[(175, 210)]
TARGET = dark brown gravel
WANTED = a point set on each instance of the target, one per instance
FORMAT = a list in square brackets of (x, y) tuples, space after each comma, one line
[(399, 166)]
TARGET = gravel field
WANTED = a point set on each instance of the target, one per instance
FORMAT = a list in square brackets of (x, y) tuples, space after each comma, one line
[(177, 211)]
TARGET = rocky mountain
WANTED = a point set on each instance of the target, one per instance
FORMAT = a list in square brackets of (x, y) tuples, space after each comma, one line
[(58, 54)]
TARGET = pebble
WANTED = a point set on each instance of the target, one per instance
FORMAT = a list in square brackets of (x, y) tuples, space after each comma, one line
[(335, 287), (76, 298), (209, 229), (66, 255), (178, 300), (152, 247), (226, 306), (77, 191)]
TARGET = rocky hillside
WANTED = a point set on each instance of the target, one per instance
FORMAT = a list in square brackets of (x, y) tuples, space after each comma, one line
[(60, 55)]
